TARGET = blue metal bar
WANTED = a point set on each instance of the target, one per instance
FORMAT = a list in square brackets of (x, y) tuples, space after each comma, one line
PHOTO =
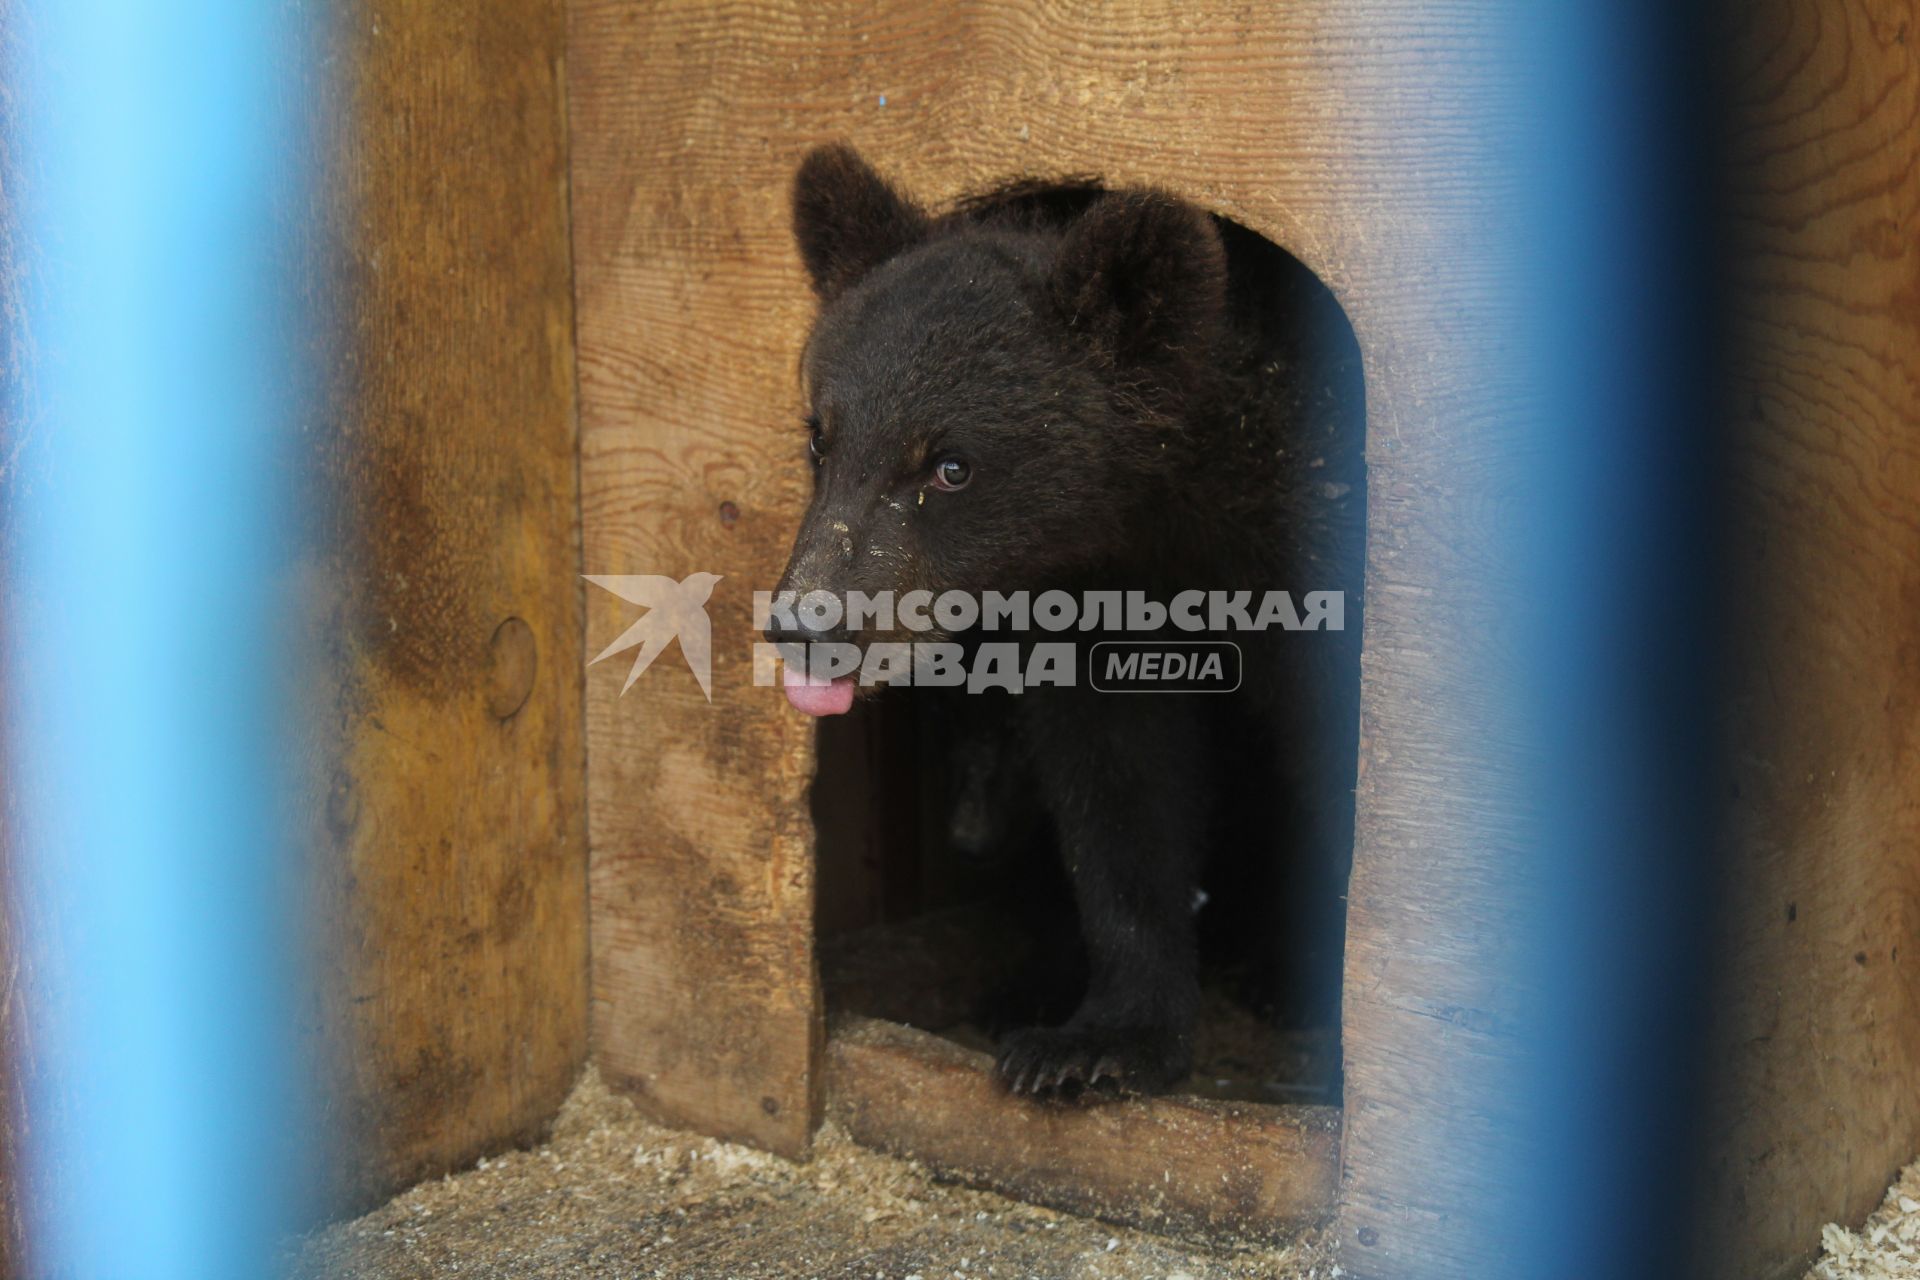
[(158, 147)]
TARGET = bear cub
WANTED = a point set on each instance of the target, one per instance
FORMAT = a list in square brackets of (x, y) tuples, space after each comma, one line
[(1062, 387)]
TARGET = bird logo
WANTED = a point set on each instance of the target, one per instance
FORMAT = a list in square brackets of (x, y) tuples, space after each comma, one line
[(674, 610)]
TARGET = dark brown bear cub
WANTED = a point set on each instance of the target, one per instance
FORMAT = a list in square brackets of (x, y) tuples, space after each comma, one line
[(1062, 388)]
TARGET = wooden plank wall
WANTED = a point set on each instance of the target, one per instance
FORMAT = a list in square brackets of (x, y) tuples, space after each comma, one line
[(1822, 1029), (690, 308), (1320, 124), (446, 772)]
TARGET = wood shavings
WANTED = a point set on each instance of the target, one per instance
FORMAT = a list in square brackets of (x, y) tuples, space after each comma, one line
[(615, 1196), (1887, 1247)]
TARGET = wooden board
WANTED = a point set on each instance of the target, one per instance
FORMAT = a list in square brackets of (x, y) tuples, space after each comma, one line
[(446, 772), (690, 310), (1181, 1165), (1341, 131), (1821, 1034)]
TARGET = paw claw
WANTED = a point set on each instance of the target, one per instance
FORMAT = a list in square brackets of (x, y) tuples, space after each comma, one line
[(1086, 1064)]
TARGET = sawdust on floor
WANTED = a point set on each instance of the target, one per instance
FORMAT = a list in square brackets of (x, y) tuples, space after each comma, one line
[(613, 1195), (1887, 1247)]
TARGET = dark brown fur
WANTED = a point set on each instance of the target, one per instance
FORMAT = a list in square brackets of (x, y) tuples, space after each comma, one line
[(1148, 399)]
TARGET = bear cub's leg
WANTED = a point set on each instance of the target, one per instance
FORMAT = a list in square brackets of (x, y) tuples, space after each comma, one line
[(1123, 780)]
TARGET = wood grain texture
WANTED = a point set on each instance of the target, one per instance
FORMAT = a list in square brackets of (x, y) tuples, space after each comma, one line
[(446, 774), (1345, 133), (1821, 1034), (1182, 1165)]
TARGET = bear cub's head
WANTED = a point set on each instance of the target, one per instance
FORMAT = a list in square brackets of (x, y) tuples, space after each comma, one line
[(994, 397)]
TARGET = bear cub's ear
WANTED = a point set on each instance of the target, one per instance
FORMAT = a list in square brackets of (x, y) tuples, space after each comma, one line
[(847, 219), (1144, 276)]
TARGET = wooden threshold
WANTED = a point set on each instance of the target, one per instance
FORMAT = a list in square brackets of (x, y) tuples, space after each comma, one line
[(1183, 1166)]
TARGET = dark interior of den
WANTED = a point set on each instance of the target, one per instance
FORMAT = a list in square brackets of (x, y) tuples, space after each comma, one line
[(943, 901)]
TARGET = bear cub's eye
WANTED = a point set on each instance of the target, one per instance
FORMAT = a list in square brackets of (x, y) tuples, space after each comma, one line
[(816, 442), (952, 473)]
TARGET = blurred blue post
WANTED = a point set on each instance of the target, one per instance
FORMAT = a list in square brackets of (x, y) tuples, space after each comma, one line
[(1615, 565), (157, 150)]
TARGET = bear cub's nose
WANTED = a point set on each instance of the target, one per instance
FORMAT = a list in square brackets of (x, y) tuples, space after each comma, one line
[(795, 630)]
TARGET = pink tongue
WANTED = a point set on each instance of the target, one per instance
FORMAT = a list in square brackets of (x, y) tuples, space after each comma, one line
[(819, 697)]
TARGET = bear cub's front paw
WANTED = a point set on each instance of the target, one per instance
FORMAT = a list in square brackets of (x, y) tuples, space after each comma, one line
[(1089, 1063)]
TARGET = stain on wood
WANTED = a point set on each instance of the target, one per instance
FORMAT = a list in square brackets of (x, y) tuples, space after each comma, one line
[(1186, 1166), (447, 771), (1820, 1027)]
